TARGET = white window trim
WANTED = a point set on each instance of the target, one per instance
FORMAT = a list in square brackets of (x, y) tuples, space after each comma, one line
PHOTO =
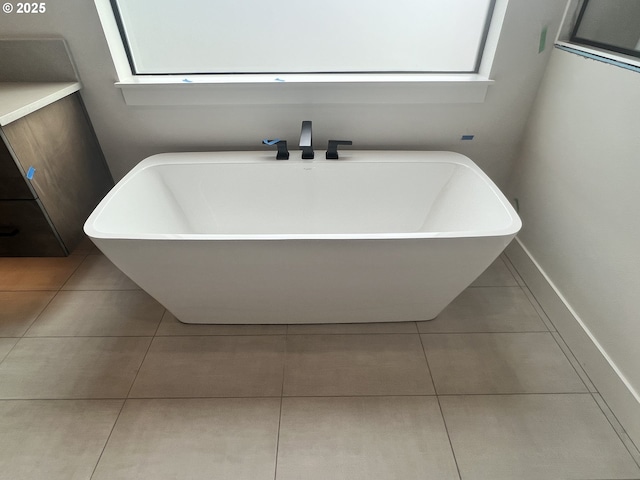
[(265, 89), (599, 52), (564, 38)]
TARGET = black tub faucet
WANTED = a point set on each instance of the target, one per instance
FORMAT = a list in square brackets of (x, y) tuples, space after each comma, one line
[(332, 149), (305, 140), (283, 153)]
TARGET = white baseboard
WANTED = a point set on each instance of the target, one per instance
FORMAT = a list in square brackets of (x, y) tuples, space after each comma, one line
[(611, 384)]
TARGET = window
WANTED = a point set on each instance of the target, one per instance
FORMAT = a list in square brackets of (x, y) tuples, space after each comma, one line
[(609, 24), (312, 36), (229, 52)]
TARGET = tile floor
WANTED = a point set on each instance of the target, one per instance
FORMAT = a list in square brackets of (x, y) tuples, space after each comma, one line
[(98, 381)]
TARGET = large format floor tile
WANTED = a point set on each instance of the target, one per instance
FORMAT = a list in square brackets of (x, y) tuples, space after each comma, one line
[(499, 363), (319, 365), (363, 438), (36, 273), (98, 273), (487, 309), (6, 344), (217, 366), (99, 313), (193, 439), (352, 328), (536, 437), (71, 367), (171, 326), (86, 247), (18, 310), (497, 275), (53, 439)]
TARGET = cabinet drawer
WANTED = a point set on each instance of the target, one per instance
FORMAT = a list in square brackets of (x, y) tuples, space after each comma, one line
[(26, 232)]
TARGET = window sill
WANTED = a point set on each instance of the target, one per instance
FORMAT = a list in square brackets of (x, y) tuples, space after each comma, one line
[(606, 56), (304, 89)]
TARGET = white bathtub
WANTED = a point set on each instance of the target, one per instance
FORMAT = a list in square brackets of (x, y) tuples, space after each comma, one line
[(243, 238)]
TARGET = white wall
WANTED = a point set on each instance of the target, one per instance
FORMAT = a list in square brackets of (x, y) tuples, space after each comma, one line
[(129, 134), (577, 181)]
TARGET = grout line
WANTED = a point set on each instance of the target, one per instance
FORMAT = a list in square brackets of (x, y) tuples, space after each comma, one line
[(40, 290), (426, 359), (148, 398), (10, 350), (83, 399), (485, 332), (107, 290), (307, 397), (511, 394), (617, 427), (574, 362), (539, 310), (284, 368), (140, 367), (446, 429), (164, 312), (24, 335), (121, 409), (399, 395), (75, 270), (433, 384), (221, 397), (106, 442), (494, 286), (282, 334), (197, 335), (102, 290), (203, 397), (531, 297), (90, 336), (32, 290), (152, 335), (284, 365), (353, 333), (514, 271)]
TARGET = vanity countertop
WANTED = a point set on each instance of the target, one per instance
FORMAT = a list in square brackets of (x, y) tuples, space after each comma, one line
[(18, 99)]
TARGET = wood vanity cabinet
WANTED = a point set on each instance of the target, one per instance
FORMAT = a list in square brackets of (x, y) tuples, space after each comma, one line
[(44, 215)]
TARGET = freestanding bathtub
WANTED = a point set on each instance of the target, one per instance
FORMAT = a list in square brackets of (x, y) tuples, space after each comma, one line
[(377, 236)]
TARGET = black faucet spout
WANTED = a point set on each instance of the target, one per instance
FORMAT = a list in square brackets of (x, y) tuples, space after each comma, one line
[(306, 144)]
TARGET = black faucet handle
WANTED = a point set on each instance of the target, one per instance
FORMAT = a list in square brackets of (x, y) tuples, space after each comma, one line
[(283, 153), (332, 149)]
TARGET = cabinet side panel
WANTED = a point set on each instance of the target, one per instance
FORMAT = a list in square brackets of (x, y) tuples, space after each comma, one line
[(70, 173)]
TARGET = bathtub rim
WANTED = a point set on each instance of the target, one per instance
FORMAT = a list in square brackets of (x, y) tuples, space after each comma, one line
[(255, 157)]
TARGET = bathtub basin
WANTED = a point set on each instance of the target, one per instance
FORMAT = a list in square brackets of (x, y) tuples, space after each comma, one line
[(239, 237)]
